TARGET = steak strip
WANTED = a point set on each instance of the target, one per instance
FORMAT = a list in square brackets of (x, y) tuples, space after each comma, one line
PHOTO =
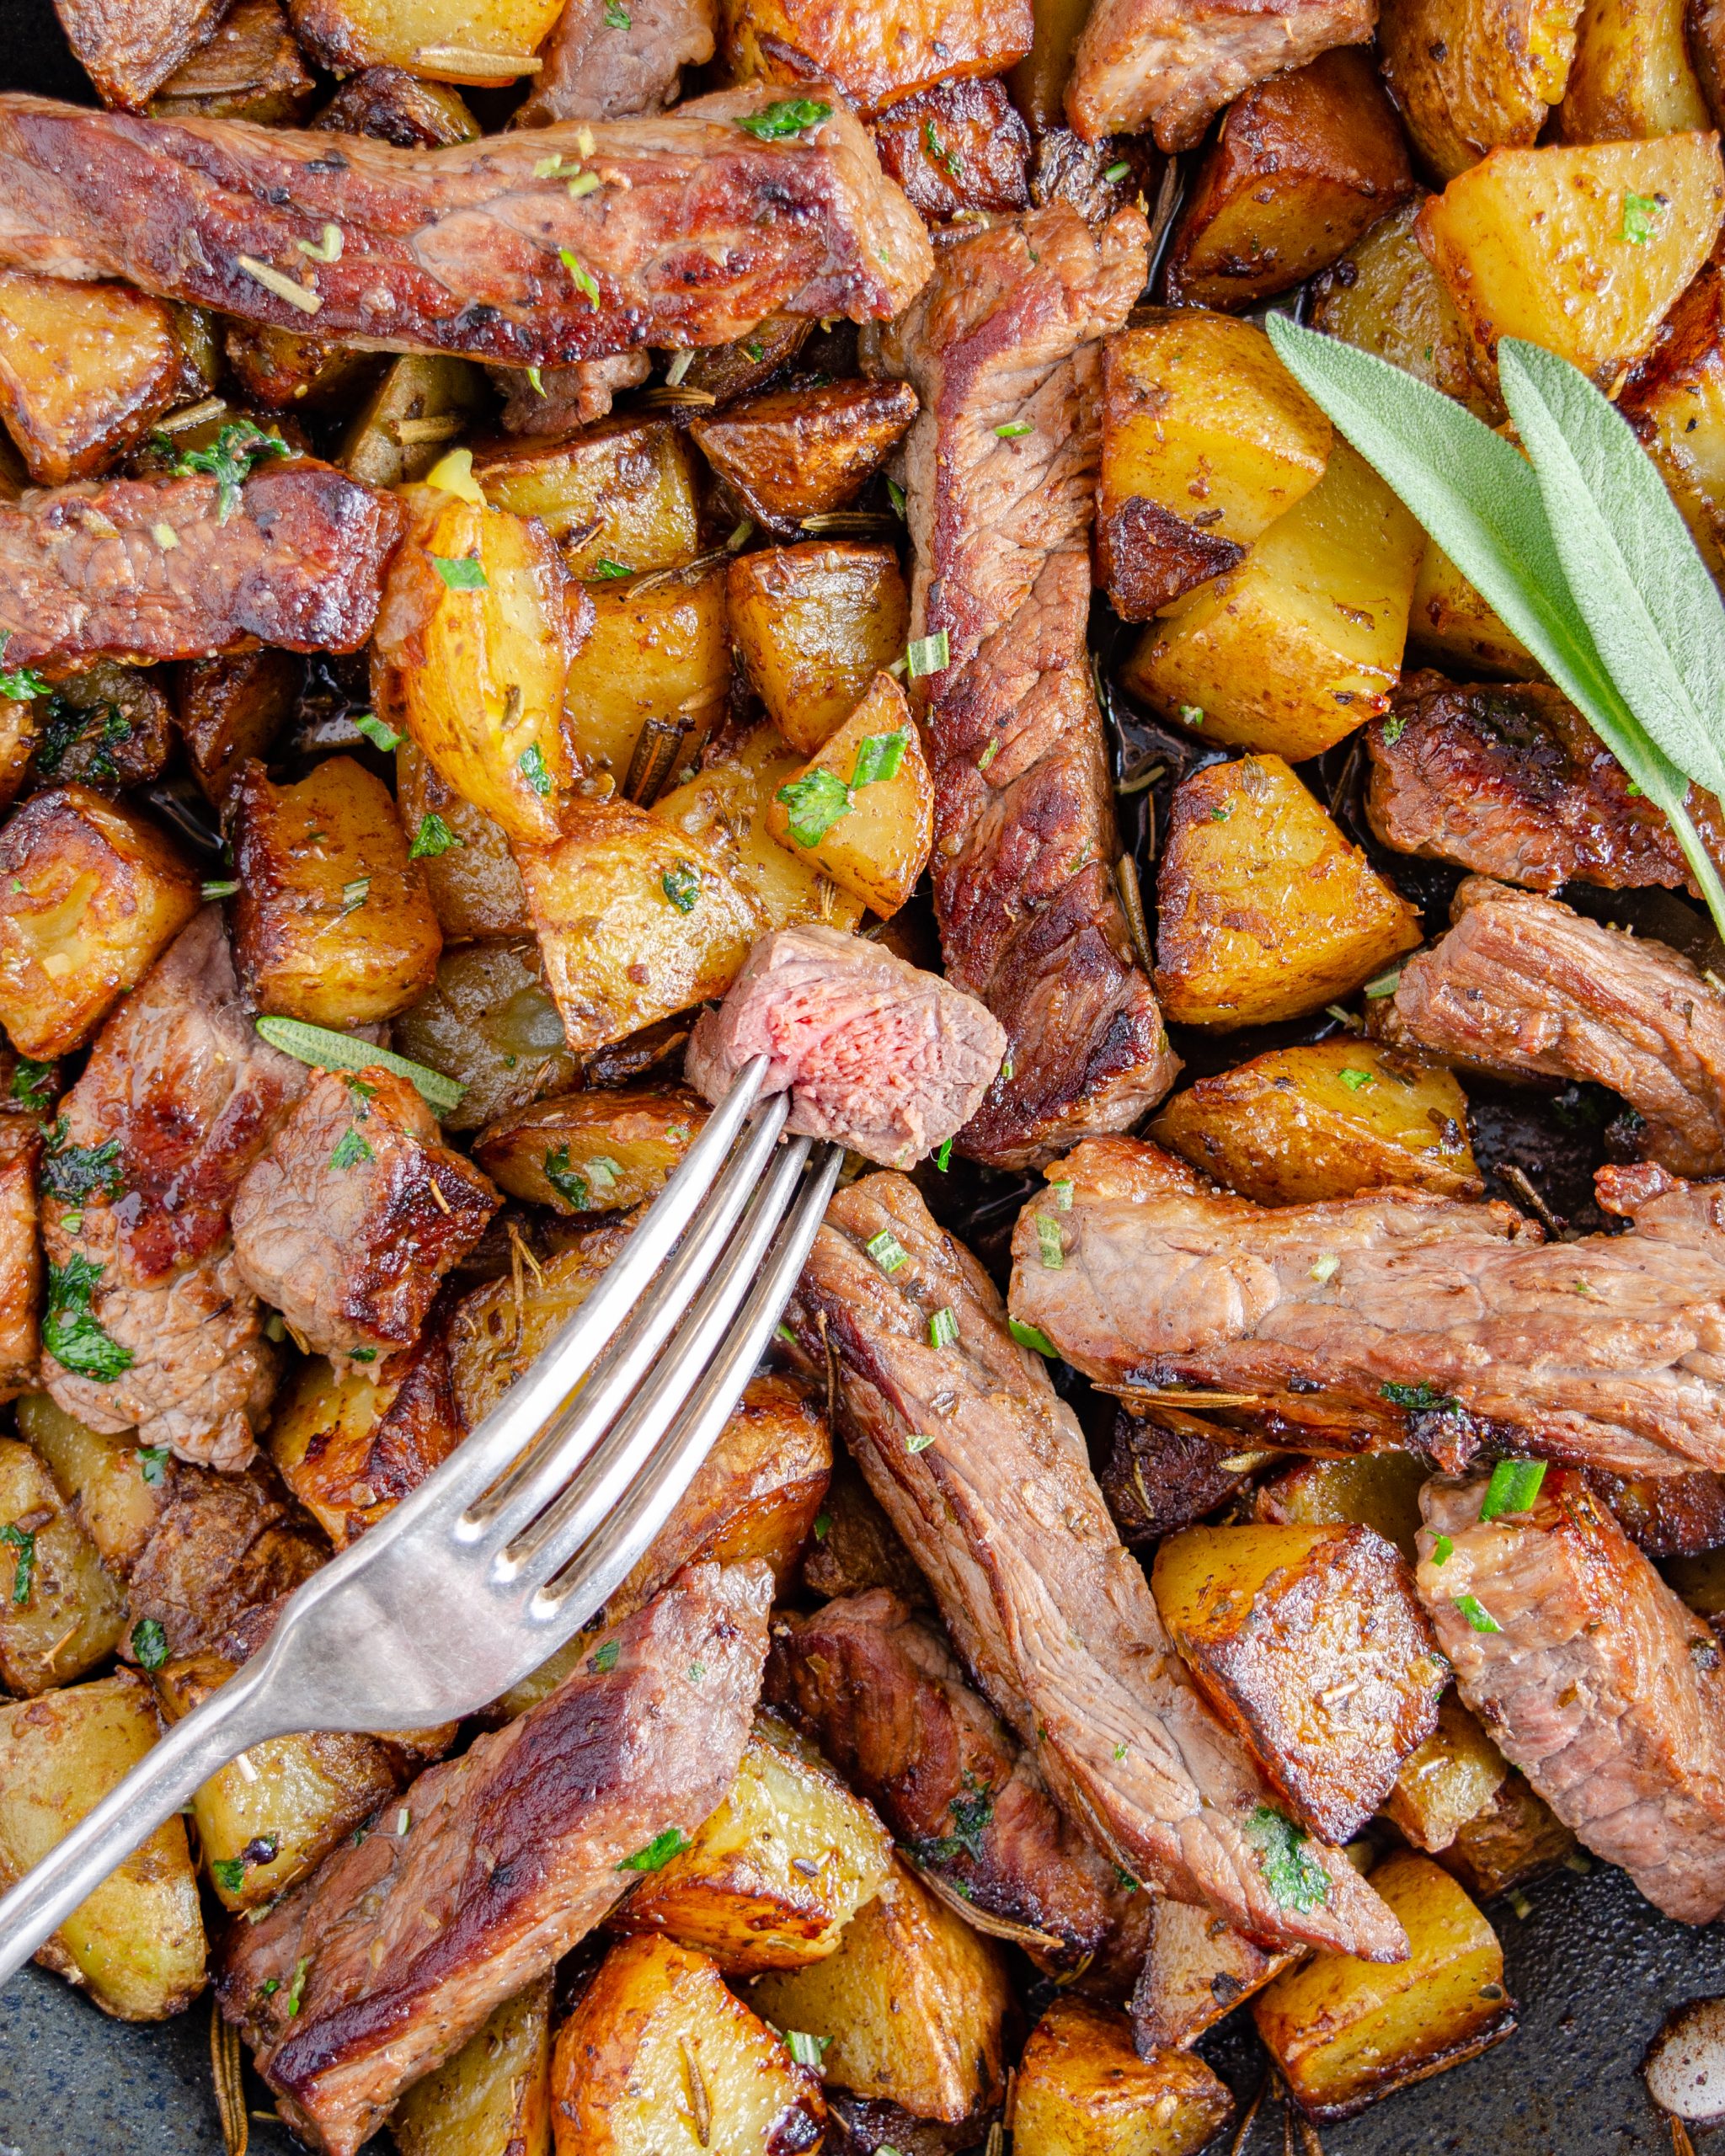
[(982, 1471), (696, 230), (1000, 471)]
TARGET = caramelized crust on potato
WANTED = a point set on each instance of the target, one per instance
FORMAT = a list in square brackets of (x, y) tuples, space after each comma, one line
[(957, 145), (1450, 1779), (20, 1255), (1515, 1839), (61, 1611), (1378, 1489), (1384, 297), (231, 710), (463, 855), (103, 1476), (1082, 2089), (591, 1152), (1630, 78), (493, 2098), (493, 44), (877, 55), (1449, 624), (815, 624), (879, 845), (250, 70), (1198, 1969), (1675, 399), (619, 492), (796, 452), (1468, 76), (498, 1329), (649, 678), (396, 107)]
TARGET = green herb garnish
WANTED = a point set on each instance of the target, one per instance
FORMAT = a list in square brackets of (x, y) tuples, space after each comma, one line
[(230, 460), (377, 731), (332, 1051), (149, 1643), (531, 763), (1421, 1399), (878, 756), (152, 1464), (681, 884), (916, 1442), (886, 1249), (220, 887), (1015, 430), (944, 1155), (351, 1151), (604, 1660), (433, 837), (71, 1331), (296, 1989), (72, 1172), (462, 572), (1050, 1247), (789, 117), (804, 2049), (1295, 1881), (927, 654), (1477, 1614), (606, 571), (942, 1329), (1356, 1081), (229, 1872), (971, 1816), (816, 801), (1640, 214), (1443, 1550), (1118, 170), (1031, 1336), (31, 1082), (20, 683), (658, 1853), (23, 1539), (583, 280), (1512, 1488), (570, 1186)]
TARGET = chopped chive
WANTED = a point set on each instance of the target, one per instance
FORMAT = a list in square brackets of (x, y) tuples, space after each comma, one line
[(886, 1249), (1032, 1337), (376, 730), (658, 1853), (943, 1328), (1118, 170), (1061, 1194), (1050, 1248), (1512, 1488), (928, 655), (944, 1155), (462, 572), (221, 887), (1443, 1550), (1476, 1615), (918, 1443), (1015, 430)]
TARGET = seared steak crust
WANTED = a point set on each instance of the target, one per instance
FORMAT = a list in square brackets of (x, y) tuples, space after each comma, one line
[(84, 573), (1595, 1680), (1440, 1323), (1521, 984), (129, 48), (1005, 336), (699, 232), (1054, 1619), (220, 1545), (596, 68), (405, 1942), (20, 1255)]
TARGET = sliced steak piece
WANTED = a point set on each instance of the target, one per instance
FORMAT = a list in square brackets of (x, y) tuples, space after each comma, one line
[(1508, 779), (696, 230), (1395, 1319), (1667, 1515), (567, 398), (354, 1214), (143, 569), (221, 1545), (393, 1952), (885, 1058), (599, 68), (129, 48), (877, 1685), (1522, 986), (1000, 475), (1593, 1677), (1159, 65), (982, 1471)]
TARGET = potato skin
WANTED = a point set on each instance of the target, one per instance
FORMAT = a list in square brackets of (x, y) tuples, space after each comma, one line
[(651, 678), (422, 402), (544, 1154), (474, 885), (1631, 77), (876, 55), (802, 451), (621, 491), (1384, 297), (72, 1610), (493, 2098), (20, 1254), (487, 1021), (1469, 76), (815, 624), (879, 848), (959, 145), (231, 709), (494, 41), (1083, 2090)]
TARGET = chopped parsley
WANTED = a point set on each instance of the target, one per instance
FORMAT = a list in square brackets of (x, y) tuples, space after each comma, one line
[(822, 1526), (1393, 728), (377, 731), (433, 837), (149, 1643), (658, 1853), (1032, 1337), (681, 884), (20, 683), (352, 1150), (1356, 1082), (1015, 430), (1295, 1881), (1421, 1399), (616, 16), (1641, 215), (1192, 714), (815, 800), (886, 1249), (605, 1660), (1512, 1488), (229, 1872), (238, 449), (531, 763), (464, 573), (1477, 1614), (944, 1155), (1050, 1248), (787, 117), (942, 1329), (918, 1443), (71, 1331), (31, 1083), (971, 1815), (71, 1172), (23, 1564), (152, 1464), (571, 1187)]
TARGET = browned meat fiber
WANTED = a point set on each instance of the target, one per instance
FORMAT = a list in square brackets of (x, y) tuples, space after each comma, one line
[(1396, 1318), (397, 1948), (984, 1473), (696, 232), (129, 48), (1593, 1677), (875, 1053), (596, 68), (1000, 475)]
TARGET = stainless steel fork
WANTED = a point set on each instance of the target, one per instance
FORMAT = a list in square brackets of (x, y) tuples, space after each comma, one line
[(534, 1519)]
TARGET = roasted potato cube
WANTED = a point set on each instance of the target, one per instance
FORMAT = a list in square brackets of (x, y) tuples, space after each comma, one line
[(1324, 1120), (1310, 1641), (289, 372), (723, 810), (494, 2097), (107, 727), (724, 371), (1198, 1969), (1166, 1470), (400, 109), (1676, 401), (957, 148), (1450, 1779), (863, 809), (1384, 297), (659, 2059), (618, 495), (815, 624), (85, 371), (17, 745), (1631, 77), (488, 1022), (1206, 439), (332, 922), (1516, 1838), (20, 1254), (138, 1943), (60, 1610), (445, 41), (875, 55), (90, 895), (634, 921), (913, 2000), (1082, 2091), (231, 710), (773, 1877), (1450, 623), (1303, 642), (1303, 165), (1378, 1489), (463, 854), (651, 679), (250, 70), (1470, 75), (591, 1152), (1345, 2032), (421, 405), (803, 452), (104, 1477), (1519, 241), (499, 1330), (1266, 911), (474, 646)]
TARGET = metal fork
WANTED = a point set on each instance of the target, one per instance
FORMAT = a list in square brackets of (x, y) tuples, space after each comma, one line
[(532, 1523)]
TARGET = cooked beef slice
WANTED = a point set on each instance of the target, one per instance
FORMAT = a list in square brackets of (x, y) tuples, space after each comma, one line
[(567, 398), (1667, 1515), (1159, 65), (1522, 986), (1592, 1676), (221, 1545), (982, 1471), (129, 48), (143, 569), (958, 146), (1508, 779), (1005, 337), (599, 68), (1159, 1477), (20, 1255), (888, 1060), (354, 1213), (697, 231), (392, 1953), (877, 1686), (1394, 1318)]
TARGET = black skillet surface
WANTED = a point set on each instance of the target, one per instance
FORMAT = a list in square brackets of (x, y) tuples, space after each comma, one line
[(1594, 1969)]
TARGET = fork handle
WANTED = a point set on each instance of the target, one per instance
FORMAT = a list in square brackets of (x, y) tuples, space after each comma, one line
[(226, 1725)]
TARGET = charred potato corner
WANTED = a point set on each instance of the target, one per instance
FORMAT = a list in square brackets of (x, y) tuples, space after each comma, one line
[(550, 549)]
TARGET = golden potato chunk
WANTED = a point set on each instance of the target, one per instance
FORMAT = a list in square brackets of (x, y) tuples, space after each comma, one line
[(1581, 249), (659, 2059), (20, 1253), (863, 809), (1082, 2091), (1304, 164), (493, 2098), (445, 41), (1345, 2032), (1450, 1779), (1631, 77), (1206, 439), (651, 679), (913, 2000), (1516, 1838), (488, 1022), (85, 371), (462, 854), (61, 1612), (591, 1152), (350, 1447), (1303, 642), (1378, 1489), (1676, 401), (332, 922), (138, 1943), (90, 895), (634, 921), (1324, 1120), (406, 425), (1449, 624), (112, 1494), (875, 54), (1470, 75), (1198, 1969), (1384, 297), (499, 1330), (1266, 910), (815, 625), (793, 453), (618, 496), (1309, 1641)]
